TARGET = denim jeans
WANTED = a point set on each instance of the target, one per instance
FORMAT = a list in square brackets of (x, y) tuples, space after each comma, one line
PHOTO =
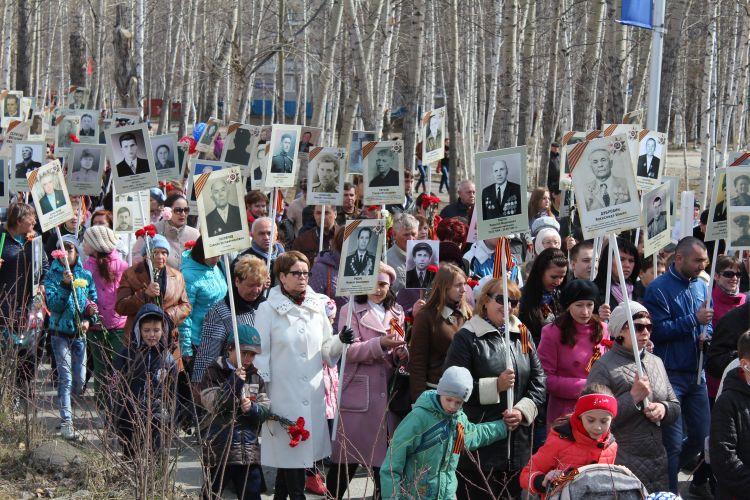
[(695, 419), (70, 354)]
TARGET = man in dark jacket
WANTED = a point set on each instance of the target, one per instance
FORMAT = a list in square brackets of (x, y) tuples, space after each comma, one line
[(729, 444), (677, 301)]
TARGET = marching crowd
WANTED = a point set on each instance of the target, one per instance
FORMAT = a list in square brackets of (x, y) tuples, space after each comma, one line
[(426, 401)]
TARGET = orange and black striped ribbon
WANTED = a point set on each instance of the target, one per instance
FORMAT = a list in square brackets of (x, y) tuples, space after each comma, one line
[(509, 264), (459, 444), (396, 328), (351, 227)]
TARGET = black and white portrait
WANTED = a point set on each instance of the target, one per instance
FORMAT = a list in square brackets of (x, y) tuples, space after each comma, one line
[(89, 131), (12, 106), (283, 155), (123, 220), (222, 212), (422, 256), (67, 129), (27, 156), (166, 158), (78, 98), (501, 190), (284, 160), (238, 146), (360, 260), (383, 168), (85, 168), (131, 155)]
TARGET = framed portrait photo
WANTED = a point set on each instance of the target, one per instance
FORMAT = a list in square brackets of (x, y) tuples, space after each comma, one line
[(88, 131), (360, 257), (652, 158), (166, 157), (27, 157), (208, 136), (325, 176), (605, 191), (357, 140), (384, 172), (240, 144), (78, 98), (221, 211), (85, 166), (422, 260), (282, 156), (658, 228), (196, 167), (11, 107), (51, 200), (67, 128), (131, 156), (501, 204), (433, 135)]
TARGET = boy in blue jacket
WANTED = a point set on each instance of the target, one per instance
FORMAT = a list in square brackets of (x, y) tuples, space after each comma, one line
[(423, 454), (71, 299)]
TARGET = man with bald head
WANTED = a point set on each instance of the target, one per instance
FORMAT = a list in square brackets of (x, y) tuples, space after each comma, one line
[(606, 190), (502, 198)]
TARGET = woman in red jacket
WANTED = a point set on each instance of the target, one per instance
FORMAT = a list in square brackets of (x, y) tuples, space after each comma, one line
[(583, 440)]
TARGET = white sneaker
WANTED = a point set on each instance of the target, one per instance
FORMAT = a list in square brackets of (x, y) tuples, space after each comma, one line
[(67, 432)]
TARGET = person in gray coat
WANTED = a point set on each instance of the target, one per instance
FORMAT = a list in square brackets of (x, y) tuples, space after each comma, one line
[(637, 426)]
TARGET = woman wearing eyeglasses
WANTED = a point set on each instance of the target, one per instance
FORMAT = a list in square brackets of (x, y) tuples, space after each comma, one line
[(480, 347), (638, 426), (175, 230), (296, 338), (726, 296), (435, 324), (570, 346)]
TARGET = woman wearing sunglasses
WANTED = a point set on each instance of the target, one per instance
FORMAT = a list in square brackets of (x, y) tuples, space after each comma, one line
[(175, 230), (480, 347), (570, 346), (638, 426), (296, 338)]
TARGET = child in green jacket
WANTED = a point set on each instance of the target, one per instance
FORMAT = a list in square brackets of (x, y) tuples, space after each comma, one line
[(423, 454)]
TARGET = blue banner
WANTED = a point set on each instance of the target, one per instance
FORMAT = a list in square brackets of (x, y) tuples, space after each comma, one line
[(638, 13)]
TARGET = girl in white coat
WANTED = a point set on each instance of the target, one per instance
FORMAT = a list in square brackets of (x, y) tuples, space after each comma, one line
[(296, 338)]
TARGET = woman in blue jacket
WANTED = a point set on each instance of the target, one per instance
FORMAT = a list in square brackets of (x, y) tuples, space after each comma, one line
[(205, 285), (71, 299)]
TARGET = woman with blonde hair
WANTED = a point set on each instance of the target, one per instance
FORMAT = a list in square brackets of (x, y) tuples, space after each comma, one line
[(480, 347), (444, 313)]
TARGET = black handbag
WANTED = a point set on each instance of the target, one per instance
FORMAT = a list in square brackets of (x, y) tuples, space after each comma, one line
[(399, 397)]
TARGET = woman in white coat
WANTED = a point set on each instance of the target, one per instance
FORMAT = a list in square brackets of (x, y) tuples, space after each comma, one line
[(296, 339)]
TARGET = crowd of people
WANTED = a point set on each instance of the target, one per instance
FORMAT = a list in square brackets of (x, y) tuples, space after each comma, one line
[(435, 399)]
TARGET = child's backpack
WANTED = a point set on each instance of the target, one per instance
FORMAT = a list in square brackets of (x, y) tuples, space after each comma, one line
[(599, 481)]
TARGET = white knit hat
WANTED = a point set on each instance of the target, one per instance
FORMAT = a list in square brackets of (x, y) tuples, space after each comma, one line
[(101, 238), (619, 317), (456, 382)]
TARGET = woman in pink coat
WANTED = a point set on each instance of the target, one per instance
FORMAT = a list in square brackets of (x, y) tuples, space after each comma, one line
[(107, 267), (570, 346), (365, 424)]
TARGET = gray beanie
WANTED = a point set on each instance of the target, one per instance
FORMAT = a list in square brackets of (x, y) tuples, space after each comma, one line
[(456, 382), (72, 240), (157, 241), (101, 238), (619, 317)]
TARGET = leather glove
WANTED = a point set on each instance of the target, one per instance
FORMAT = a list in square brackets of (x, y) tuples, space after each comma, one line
[(346, 335)]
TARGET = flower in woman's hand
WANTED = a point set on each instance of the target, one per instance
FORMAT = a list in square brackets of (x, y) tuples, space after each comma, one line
[(59, 254), (166, 213), (80, 283)]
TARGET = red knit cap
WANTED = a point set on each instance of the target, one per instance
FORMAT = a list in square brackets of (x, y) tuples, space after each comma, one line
[(596, 402)]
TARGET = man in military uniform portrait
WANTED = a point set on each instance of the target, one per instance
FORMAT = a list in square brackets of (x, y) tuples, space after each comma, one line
[(27, 163), (502, 198), (741, 197), (361, 262), (328, 175), (282, 161), (743, 223)]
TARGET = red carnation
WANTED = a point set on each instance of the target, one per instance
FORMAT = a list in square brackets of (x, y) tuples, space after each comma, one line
[(301, 422), (293, 442), (432, 268), (140, 233), (373, 207), (74, 138), (472, 282), (408, 319), (190, 244), (607, 343)]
